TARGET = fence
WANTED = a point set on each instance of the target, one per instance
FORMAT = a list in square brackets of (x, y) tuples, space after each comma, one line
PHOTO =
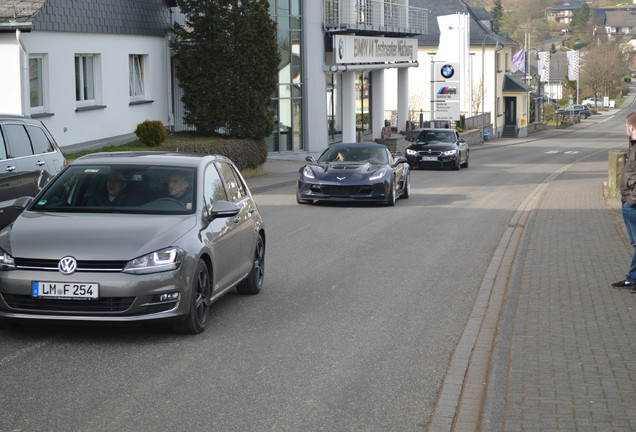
[(347, 14), (422, 118)]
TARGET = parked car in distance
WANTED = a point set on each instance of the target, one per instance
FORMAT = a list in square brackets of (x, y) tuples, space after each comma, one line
[(438, 148), (131, 237), (354, 172), (575, 110), (29, 157), (593, 102), (554, 104)]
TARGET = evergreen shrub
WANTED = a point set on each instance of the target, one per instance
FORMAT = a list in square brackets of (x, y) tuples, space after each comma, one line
[(151, 133)]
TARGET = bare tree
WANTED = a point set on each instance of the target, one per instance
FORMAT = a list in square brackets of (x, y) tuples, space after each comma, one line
[(476, 97), (604, 67)]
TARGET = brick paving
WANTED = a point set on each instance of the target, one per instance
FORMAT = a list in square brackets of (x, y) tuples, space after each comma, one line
[(573, 339)]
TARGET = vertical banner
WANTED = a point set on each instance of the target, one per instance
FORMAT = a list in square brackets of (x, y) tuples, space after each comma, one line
[(573, 65), (544, 66), (453, 51), (519, 60)]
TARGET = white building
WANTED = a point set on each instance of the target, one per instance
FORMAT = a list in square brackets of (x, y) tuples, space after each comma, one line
[(89, 78)]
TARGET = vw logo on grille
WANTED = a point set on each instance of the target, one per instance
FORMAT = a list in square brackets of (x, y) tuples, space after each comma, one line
[(67, 265), (341, 178)]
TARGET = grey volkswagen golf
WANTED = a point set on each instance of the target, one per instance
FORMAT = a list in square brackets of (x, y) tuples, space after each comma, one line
[(132, 237)]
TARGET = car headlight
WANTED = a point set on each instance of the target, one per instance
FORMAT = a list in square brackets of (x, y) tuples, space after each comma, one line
[(411, 152), (378, 174), (155, 262), (449, 153), (6, 261), (308, 173)]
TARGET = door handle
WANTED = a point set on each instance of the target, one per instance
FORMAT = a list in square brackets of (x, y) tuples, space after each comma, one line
[(10, 168), (40, 163)]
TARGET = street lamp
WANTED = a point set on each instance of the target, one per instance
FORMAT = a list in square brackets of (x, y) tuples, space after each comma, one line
[(498, 47)]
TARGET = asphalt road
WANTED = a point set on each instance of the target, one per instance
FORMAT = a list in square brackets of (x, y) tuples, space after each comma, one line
[(361, 310)]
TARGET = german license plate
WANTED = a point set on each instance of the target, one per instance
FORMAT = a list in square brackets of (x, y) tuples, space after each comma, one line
[(65, 290), (429, 158)]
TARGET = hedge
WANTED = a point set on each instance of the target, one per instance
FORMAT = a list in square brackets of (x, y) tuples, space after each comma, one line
[(245, 153)]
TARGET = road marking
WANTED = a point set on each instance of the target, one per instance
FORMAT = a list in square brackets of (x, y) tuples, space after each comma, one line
[(564, 152), (22, 352)]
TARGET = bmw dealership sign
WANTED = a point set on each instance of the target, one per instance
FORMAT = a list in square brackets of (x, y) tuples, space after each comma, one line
[(446, 90), (351, 49)]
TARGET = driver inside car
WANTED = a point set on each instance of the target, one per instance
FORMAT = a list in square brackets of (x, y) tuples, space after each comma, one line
[(180, 189)]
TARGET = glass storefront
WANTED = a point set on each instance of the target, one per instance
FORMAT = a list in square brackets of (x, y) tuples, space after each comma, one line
[(363, 101), (287, 101), (334, 103)]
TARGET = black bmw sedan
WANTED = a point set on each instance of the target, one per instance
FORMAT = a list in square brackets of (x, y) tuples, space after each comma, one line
[(438, 148), (354, 172)]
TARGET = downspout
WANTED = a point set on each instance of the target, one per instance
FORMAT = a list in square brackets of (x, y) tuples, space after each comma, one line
[(170, 93), (25, 72)]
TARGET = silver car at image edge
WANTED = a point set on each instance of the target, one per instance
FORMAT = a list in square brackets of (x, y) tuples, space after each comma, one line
[(131, 237)]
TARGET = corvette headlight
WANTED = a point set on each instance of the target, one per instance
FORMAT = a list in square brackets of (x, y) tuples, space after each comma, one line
[(155, 262), (449, 153), (378, 174), (307, 172), (6, 261), (411, 152)]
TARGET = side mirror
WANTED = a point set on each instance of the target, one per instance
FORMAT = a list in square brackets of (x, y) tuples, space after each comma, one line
[(224, 209), (310, 159), (399, 160), (22, 202)]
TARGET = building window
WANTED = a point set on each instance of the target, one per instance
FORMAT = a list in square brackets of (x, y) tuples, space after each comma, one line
[(36, 83), (363, 112), (334, 103), (85, 79), (136, 84), (287, 102)]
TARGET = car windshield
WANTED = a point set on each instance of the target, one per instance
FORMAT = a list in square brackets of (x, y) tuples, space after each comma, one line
[(436, 137), (343, 154), (120, 189)]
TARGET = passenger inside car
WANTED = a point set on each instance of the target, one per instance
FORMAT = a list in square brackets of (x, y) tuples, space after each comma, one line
[(114, 191)]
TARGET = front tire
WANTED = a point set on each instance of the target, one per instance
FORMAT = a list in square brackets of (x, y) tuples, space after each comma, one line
[(303, 201), (253, 283), (197, 318), (406, 190), (391, 197), (465, 164)]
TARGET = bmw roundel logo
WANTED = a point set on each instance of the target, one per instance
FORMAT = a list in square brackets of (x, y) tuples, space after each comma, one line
[(448, 71), (341, 49)]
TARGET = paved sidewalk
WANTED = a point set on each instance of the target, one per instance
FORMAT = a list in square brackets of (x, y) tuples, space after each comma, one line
[(571, 344)]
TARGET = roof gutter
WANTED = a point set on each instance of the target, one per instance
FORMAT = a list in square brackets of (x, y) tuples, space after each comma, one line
[(12, 26)]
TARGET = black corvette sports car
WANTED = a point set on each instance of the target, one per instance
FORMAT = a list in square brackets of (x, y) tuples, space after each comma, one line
[(442, 148), (354, 172)]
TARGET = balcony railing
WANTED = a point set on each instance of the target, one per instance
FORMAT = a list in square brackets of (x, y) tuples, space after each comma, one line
[(374, 15)]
